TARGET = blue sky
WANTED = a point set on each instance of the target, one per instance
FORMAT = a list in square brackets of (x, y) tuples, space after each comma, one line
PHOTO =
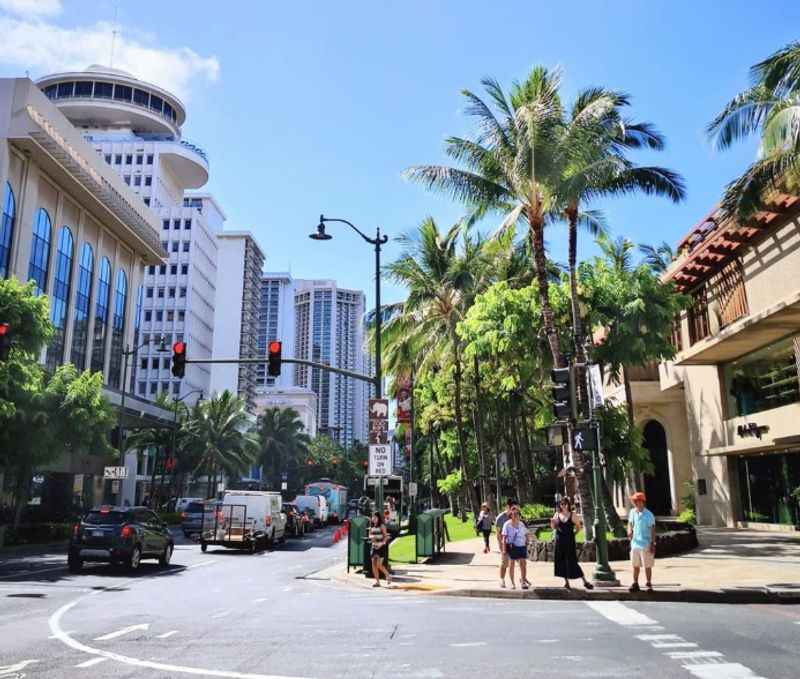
[(310, 107)]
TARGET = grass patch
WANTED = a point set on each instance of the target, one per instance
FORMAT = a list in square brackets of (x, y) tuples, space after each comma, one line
[(403, 549), (546, 535)]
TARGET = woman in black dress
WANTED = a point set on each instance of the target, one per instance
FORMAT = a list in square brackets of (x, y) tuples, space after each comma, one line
[(565, 523)]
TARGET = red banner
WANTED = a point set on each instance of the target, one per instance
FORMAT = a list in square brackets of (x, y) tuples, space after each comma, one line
[(403, 396)]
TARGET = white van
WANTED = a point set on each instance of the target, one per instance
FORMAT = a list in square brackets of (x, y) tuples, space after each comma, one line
[(317, 504), (247, 519)]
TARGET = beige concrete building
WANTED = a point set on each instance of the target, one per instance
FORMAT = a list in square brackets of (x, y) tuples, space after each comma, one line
[(300, 399), (727, 409)]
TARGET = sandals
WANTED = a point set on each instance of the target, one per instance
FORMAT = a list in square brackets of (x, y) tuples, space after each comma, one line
[(587, 585), (634, 587), (649, 587)]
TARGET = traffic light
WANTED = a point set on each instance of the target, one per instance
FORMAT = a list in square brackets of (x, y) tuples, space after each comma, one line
[(179, 359), (565, 401), (5, 341), (274, 358)]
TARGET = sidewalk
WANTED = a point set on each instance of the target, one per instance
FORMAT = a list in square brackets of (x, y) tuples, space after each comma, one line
[(730, 566)]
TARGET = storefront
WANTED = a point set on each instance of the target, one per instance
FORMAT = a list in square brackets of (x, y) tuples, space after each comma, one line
[(769, 487)]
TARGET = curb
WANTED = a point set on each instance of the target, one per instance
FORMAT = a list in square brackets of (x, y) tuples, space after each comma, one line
[(35, 549)]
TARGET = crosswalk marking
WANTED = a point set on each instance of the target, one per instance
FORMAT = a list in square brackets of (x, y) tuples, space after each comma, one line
[(730, 670), (167, 635), (620, 614), (693, 655)]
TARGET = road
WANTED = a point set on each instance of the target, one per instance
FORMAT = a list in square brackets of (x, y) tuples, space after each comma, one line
[(225, 614)]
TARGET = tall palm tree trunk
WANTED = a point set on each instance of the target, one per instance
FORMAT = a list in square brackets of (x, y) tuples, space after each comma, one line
[(540, 266), (462, 439), (479, 439)]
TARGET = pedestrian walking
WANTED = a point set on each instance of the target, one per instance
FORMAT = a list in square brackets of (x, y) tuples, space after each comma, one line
[(566, 523), (483, 525), (515, 543), (379, 539), (499, 522), (642, 534)]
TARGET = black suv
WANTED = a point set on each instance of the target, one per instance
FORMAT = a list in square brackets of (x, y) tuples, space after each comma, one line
[(119, 535)]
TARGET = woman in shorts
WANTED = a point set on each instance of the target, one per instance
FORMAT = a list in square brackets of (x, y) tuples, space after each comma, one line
[(515, 545)]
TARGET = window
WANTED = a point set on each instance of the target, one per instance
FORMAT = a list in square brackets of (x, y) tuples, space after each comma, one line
[(143, 363), (107, 158), (118, 159), (83, 89), (148, 181), (175, 246), (83, 296), (101, 315), (176, 224), (147, 202), (172, 293), (129, 159), (161, 293), (155, 362), (118, 329), (165, 387), (164, 227), (141, 97), (176, 388), (148, 316), (65, 89), (184, 269), (59, 300), (165, 363), (162, 269), (153, 387), (123, 93), (127, 179), (156, 103), (763, 379), (170, 316), (179, 337), (139, 158), (50, 91), (7, 229), (142, 388), (40, 251), (183, 292), (187, 224), (165, 245), (151, 269), (149, 158), (159, 316), (186, 246), (173, 269), (149, 293), (137, 180), (181, 316)]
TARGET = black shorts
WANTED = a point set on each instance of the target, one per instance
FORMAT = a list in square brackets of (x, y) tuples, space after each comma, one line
[(516, 553), (376, 553)]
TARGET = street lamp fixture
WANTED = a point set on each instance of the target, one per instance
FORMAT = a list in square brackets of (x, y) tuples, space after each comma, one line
[(320, 233)]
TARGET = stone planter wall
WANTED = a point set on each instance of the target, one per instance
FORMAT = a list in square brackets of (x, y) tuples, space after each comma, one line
[(679, 539)]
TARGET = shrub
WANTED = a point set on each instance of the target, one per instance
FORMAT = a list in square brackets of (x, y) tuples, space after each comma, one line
[(37, 533), (688, 497), (687, 516), (536, 511)]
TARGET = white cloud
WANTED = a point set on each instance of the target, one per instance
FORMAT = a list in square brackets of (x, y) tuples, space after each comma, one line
[(42, 48), (32, 8)]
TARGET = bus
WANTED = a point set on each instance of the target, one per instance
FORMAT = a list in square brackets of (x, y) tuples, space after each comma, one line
[(334, 493)]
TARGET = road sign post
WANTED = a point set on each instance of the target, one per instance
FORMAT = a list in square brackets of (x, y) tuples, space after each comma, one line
[(380, 452)]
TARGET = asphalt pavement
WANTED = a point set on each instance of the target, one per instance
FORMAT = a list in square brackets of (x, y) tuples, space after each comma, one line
[(230, 614)]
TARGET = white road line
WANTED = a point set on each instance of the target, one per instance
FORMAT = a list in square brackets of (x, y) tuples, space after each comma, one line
[(691, 655), (167, 635), (93, 661), (10, 669), (547, 641), (622, 615), (55, 627), (728, 670), (202, 563), (469, 644), (674, 644), (124, 630), (221, 614), (659, 637)]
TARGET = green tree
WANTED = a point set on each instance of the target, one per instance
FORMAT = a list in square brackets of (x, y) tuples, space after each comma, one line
[(658, 257), (283, 443), (770, 107)]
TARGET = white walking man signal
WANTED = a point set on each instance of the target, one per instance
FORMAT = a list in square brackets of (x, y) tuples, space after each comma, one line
[(578, 441)]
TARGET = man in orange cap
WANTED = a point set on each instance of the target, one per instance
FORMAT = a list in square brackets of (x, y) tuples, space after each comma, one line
[(642, 534)]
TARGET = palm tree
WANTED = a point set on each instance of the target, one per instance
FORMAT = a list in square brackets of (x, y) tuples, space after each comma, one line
[(282, 441), (771, 108), (658, 257), (221, 432), (440, 281)]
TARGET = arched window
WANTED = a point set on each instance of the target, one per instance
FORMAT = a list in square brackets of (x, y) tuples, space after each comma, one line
[(7, 229), (136, 334), (83, 296), (40, 251), (59, 300), (101, 316), (118, 329)]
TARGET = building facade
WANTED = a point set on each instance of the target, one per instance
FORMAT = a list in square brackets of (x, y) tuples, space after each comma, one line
[(276, 322), (135, 126), (302, 401), (329, 329), (725, 414), (236, 315)]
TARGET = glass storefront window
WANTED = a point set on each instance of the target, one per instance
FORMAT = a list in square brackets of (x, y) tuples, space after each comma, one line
[(765, 379), (766, 485)]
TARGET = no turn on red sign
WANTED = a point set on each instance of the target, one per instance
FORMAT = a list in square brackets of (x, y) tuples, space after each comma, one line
[(380, 460)]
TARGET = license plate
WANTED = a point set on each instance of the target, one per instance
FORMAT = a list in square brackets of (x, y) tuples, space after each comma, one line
[(98, 533)]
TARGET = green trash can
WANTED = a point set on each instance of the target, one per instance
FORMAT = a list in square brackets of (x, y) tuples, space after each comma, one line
[(431, 533), (357, 548)]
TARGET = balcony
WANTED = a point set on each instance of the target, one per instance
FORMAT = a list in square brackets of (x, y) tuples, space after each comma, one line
[(643, 373)]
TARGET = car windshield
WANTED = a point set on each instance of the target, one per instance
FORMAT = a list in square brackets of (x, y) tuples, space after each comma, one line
[(111, 517), (194, 508)]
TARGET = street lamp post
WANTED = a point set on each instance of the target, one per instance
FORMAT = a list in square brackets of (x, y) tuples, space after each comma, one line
[(321, 234)]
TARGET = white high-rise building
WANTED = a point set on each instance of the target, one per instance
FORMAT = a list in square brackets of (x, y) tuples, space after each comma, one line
[(136, 127), (276, 322), (329, 329)]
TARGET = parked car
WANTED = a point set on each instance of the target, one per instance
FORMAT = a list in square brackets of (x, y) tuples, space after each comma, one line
[(192, 517), (119, 535), (294, 520), (318, 504), (182, 502), (246, 519)]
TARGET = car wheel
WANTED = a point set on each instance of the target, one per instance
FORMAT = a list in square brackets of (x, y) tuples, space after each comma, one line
[(75, 564), (163, 560), (135, 559), (253, 547), (203, 546)]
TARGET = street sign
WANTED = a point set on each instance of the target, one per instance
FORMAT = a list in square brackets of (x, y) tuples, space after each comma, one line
[(373, 481), (115, 473), (284, 485), (379, 437), (378, 409), (380, 460), (412, 489), (582, 439), (596, 383)]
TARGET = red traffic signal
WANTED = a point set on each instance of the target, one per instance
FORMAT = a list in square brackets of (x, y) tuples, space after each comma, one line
[(274, 358), (179, 359), (5, 341)]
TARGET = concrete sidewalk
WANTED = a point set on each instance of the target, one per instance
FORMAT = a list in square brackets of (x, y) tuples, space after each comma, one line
[(730, 566)]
